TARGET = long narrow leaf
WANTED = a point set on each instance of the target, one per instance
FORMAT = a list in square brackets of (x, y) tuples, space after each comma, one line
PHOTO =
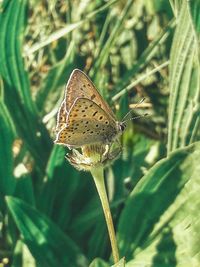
[(17, 87), (160, 214), (194, 10), (184, 80), (7, 134), (47, 243), (103, 57)]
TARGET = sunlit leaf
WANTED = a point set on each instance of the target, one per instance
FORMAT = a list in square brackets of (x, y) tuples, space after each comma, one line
[(184, 108), (47, 243), (160, 214)]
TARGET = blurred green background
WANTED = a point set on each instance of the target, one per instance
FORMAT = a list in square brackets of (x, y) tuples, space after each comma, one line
[(50, 214)]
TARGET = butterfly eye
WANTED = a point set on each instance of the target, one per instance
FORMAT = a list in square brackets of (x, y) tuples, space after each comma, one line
[(122, 127)]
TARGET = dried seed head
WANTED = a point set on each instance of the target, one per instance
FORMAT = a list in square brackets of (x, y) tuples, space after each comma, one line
[(94, 156)]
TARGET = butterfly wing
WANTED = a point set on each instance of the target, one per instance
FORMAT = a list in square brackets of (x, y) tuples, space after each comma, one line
[(87, 123), (61, 117), (80, 86)]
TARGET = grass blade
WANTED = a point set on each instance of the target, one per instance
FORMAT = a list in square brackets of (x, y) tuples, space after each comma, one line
[(7, 134), (17, 86), (184, 84), (49, 245)]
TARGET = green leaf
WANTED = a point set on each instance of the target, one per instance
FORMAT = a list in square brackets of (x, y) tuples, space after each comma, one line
[(22, 256), (121, 263), (7, 134), (98, 263), (176, 5), (46, 242), (60, 188), (99, 243), (194, 10), (123, 85), (160, 214), (18, 97), (184, 108), (24, 189), (70, 27), (56, 161), (103, 57), (56, 77)]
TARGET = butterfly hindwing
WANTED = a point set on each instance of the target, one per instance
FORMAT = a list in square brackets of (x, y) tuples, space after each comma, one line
[(87, 123)]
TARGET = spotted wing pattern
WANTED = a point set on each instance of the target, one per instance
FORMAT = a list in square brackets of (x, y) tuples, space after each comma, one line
[(87, 123), (80, 86)]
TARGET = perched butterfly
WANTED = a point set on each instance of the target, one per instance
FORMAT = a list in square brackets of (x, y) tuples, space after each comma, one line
[(84, 117)]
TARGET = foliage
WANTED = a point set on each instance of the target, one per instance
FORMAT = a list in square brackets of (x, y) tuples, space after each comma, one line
[(50, 213)]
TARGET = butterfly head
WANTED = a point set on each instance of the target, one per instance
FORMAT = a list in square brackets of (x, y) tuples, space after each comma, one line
[(121, 126)]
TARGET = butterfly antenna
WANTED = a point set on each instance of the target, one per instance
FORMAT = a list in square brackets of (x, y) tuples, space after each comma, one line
[(127, 114), (137, 117), (142, 100)]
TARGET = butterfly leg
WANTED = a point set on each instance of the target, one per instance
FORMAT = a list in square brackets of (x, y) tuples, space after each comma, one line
[(111, 153), (70, 147), (107, 150)]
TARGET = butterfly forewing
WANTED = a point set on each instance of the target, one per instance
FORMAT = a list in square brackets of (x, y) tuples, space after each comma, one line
[(87, 123), (61, 117), (80, 86)]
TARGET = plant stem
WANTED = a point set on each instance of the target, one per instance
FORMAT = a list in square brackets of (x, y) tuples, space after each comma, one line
[(98, 177)]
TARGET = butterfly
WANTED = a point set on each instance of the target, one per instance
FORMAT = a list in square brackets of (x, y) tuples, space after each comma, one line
[(84, 117)]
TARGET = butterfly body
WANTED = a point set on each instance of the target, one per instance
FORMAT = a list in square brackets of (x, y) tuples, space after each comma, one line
[(84, 118)]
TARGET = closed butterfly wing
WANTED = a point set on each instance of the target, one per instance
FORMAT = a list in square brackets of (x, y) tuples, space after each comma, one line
[(87, 123), (80, 86), (61, 117)]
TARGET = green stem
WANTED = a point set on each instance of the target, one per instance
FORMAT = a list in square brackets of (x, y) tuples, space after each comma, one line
[(98, 177)]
